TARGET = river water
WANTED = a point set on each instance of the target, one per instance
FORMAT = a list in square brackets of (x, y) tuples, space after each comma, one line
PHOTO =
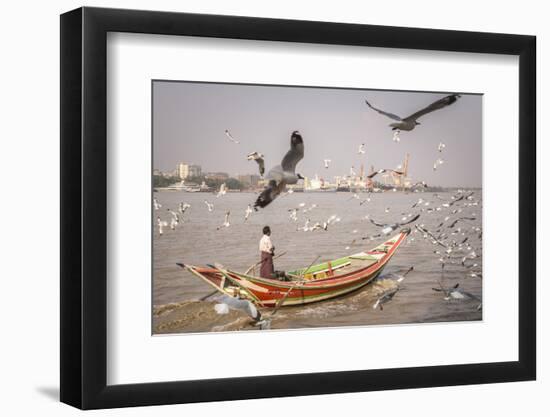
[(198, 241)]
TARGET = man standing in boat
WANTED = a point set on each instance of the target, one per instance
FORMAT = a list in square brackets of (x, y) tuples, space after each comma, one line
[(267, 250)]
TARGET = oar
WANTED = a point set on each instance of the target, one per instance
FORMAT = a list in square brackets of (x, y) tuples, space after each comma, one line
[(208, 295), (258, 263), (282, 300), (402, 277), (408, 270)]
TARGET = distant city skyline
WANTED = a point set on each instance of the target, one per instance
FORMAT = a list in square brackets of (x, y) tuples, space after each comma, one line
[(189, 120)]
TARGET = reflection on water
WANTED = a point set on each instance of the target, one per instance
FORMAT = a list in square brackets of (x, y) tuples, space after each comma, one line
[(197, 241)]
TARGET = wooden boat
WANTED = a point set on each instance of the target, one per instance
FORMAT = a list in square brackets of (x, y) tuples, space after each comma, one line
[(316, 283)]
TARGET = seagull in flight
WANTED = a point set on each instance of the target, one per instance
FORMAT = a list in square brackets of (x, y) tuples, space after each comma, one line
[(387, 228), (242, 305), (382, 171), (183, 207), (222, 191), (350, 245), (156, 204), (226, 221), (421, 184), (259, 158), (459, 220), (426, 233), (388, 295), (308, 209), (326, 162), (409, 123), (365, 200), (230, 137), (209, 205), (305, 227), (361, 150), (281, 175), (332, 219), (441, 146), (437, 163), (161, 224), (293, 214), (175, 219), (247, 212), (456, 293)]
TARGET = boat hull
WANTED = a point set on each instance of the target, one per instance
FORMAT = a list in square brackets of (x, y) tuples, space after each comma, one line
[(320, 282)]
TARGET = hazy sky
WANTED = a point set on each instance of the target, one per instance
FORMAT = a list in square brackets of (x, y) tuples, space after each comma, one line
[(189, 120)]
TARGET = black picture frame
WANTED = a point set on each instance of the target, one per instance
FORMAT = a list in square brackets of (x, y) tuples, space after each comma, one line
[(84, 207)]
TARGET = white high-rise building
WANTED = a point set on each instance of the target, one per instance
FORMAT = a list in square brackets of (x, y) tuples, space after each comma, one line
[(188, 170)]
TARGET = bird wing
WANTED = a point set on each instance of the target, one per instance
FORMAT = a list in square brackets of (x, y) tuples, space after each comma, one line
[(230, 136), (371, 237), (375, 173), (470, 295), (436, 105), (292, 157), (390, 115), (456, 200), (270, 192), (261, 165), (376, 223), (412, 219)]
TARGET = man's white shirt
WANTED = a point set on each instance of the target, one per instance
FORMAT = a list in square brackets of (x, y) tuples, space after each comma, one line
[(265, 244)]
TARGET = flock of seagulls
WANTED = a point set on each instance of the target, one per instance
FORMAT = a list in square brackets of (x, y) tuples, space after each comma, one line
[(285, 173), (452, 238), (457, 246)]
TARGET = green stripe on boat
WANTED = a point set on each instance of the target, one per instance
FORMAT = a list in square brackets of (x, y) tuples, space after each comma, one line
[(337, 263)]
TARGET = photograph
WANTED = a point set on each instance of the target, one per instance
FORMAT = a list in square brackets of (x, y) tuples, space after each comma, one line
[(292, 207)]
